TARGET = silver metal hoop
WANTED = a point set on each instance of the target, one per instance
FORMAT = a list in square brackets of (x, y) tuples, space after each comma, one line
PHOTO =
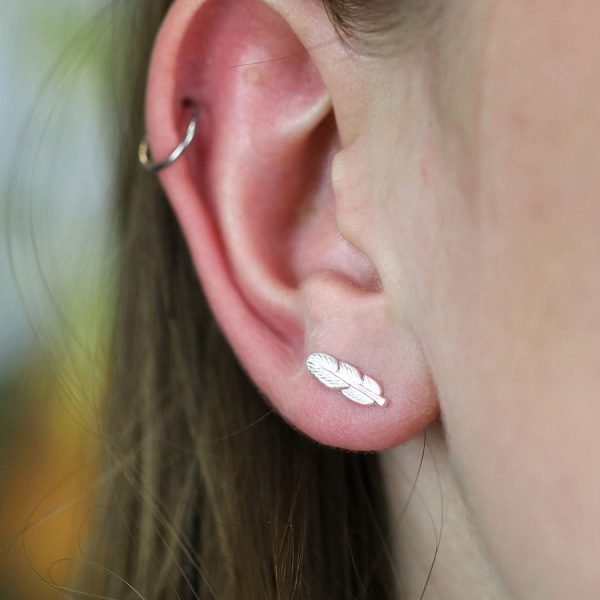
[(145, 155)]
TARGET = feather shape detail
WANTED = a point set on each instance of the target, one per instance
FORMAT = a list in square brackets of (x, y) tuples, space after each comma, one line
[(346, 378)]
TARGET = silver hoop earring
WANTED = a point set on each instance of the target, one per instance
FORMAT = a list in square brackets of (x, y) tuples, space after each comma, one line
[(145, 155), (345, 378)]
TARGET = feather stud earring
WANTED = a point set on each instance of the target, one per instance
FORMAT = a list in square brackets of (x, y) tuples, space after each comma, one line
[(341, 376)]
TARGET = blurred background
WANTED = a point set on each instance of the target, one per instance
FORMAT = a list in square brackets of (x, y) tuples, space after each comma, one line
[(57, 269)]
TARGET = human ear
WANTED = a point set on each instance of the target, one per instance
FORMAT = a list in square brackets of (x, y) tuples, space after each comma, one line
[(254, 198)]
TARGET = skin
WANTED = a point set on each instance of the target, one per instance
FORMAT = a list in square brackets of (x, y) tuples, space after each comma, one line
[(515, 348), (459, 192)]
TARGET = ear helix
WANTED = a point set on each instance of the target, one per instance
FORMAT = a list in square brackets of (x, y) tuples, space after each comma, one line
[(342, 376)]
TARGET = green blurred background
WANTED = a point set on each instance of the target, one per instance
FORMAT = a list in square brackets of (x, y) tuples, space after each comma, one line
[(58, 103)]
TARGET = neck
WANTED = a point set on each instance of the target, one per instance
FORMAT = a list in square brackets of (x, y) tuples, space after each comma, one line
[(434, 515)]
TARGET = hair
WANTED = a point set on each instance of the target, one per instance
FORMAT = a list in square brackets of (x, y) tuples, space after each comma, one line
[(207, 492), (378, 27), (356, 18)]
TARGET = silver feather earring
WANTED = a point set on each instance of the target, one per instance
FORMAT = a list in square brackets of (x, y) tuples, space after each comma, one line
[(361, 389)]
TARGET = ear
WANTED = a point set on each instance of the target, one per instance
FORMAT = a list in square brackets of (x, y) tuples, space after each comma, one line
[(254, 198)]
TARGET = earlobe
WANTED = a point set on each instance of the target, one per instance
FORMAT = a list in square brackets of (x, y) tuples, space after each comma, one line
[(254, 199)]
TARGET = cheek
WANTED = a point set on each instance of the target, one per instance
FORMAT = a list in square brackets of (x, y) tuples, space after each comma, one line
[(515, 337)]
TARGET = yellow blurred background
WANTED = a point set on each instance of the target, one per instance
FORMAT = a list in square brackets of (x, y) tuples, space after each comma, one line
[(57, 264)]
